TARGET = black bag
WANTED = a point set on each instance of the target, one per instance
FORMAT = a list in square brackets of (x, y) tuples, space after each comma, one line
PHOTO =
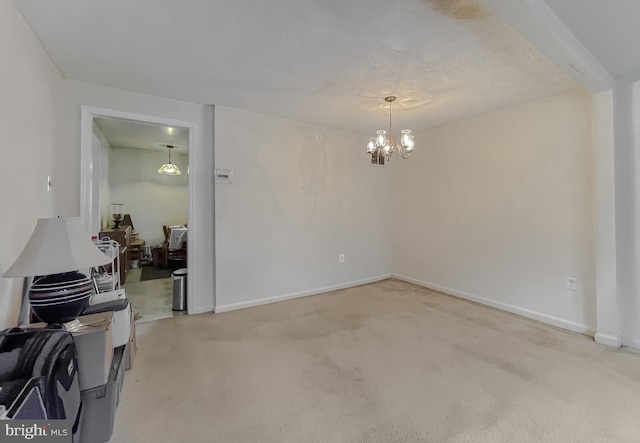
[(40, 362), (22, 399)]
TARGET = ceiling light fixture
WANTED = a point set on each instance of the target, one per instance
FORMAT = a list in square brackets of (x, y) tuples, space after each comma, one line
[(380, 147), (169, 168)]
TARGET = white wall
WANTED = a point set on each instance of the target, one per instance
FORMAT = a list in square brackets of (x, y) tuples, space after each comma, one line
[(105, 186), (628, 206), (608, 309), (201, 271), (626, 109), (301, 195), (31, 91), (152, 199), (500, 208)]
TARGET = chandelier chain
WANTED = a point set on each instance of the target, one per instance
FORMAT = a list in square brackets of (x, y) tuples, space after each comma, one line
[(390, 132)]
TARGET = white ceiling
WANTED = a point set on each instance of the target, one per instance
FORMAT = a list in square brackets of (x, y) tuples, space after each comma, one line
[(610, 30), (328, 62), (122, 133)]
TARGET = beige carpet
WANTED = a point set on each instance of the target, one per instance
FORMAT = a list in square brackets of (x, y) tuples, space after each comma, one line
[(385, 362)]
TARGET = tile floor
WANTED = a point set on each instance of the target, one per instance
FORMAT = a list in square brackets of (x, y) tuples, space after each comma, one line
[(151, 299)]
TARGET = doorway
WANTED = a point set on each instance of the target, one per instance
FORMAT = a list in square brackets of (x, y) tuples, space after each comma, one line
[(92, 205), (144, 168)]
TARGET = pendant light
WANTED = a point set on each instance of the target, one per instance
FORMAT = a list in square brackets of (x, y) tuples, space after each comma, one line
[(169, 168)]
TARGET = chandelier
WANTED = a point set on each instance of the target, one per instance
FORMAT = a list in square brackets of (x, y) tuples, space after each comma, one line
[(169, 168), (381, 147)]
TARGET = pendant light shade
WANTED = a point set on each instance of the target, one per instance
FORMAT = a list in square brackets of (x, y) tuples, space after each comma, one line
[(169, 168)]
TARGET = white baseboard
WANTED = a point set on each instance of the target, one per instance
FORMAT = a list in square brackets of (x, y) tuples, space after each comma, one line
[(277, 298), (200, 310), (608, 339), (626, 341), (539, 316)]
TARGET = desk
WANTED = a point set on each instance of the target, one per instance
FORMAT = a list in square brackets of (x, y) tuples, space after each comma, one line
[(135, 250)]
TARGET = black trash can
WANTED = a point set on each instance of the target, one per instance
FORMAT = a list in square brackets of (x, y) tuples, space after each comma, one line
[(179, 289)]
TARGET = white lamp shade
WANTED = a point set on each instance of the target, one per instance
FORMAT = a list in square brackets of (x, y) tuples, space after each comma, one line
[(57, 245)]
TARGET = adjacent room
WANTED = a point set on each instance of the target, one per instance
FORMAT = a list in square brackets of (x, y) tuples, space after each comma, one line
[(407, 221), (140, 167)]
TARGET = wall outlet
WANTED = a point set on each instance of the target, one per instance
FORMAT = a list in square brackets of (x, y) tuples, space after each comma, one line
[(572, 283), (341, 258)]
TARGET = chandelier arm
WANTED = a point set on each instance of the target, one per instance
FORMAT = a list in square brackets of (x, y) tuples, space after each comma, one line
[(403, 151), (384, 145)]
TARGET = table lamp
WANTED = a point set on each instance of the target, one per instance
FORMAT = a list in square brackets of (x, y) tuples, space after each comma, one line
[(57, 249), (117, 210)]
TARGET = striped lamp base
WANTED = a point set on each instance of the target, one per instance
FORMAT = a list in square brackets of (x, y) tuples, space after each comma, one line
[(60, 298)]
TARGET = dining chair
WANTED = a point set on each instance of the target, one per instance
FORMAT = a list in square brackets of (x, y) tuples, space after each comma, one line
[(172, 254)]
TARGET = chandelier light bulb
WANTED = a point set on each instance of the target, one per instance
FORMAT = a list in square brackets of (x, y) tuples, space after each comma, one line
[(383, 144), (407, 140), (371, 146)]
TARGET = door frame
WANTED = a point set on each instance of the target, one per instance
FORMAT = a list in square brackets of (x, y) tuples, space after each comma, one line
[(89, 181)]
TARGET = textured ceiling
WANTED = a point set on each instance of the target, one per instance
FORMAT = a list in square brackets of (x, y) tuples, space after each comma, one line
[(122, 133), (326, 62)]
